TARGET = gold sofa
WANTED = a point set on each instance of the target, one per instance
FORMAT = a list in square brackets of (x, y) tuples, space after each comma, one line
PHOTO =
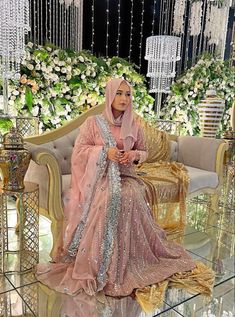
[(51, 154)]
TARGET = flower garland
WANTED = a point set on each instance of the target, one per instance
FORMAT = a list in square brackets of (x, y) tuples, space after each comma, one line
[(58, 85), (190, 88)]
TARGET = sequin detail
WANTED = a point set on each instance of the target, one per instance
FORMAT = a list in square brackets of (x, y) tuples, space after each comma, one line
[(101, 164), (114, 205)]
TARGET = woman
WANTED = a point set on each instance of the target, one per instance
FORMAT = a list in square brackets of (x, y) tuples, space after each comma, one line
[(110, 240)]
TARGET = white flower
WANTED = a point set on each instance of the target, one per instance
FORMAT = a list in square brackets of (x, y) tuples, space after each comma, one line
[(56, 60), (88, 73), (61, 63), (35, 111), (15, 92), (49, 69), (81, 58), (63, 70), (67, 107), (83, 76), (30, 66), (57, 68), (30, 44)]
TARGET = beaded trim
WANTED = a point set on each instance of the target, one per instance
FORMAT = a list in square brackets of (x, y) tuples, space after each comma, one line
[(114, 205)]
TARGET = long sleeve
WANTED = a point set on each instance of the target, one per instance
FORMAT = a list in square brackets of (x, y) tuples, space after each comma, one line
[(139, 152)]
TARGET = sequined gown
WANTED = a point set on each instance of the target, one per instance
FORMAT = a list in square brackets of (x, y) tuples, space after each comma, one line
[(110, 241)]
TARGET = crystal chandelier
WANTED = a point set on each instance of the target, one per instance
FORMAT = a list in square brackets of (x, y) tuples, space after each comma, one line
[(162, 53), (14, 24)]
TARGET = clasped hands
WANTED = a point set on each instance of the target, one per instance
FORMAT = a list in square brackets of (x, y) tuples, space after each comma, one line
[(119, 156)]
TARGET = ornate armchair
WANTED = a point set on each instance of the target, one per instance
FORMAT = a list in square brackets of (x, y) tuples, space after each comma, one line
[(50, 165)]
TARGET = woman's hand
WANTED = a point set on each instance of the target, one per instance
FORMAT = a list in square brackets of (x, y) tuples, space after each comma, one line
[(114, 154), (125, 159)]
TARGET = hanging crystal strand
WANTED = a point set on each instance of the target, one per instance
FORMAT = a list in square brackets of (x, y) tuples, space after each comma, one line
[(161, 18), (54, 30), (40, 25), (34, 21), (119, 25), (131, 29), (92, 25), (195, 25), (70, 41), (45, 22), (72, 37), (50, 20), (107, 29), (61, 26), (203, 27), (38, 22), (56, 25), (80, 23), (154, 13), (224, 29), (171, 9), (141, 35), (68, 26), (167, 17), (187, 38), (64, 26), (179, 17), (14, 24), (206, 30)]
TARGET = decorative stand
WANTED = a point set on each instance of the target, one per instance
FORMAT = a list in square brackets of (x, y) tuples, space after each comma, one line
[(26, 249), (26, 126)]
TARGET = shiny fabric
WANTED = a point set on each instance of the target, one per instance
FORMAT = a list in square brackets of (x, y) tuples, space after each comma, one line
[(166, 182), (138, 253)]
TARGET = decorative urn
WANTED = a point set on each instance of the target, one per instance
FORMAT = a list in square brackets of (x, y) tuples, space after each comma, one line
[(210, 114), (14, 160)]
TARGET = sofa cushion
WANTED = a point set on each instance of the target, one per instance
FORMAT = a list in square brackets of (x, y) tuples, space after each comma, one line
[(200, 179), (65, 182), (198, 152), (173, 151)]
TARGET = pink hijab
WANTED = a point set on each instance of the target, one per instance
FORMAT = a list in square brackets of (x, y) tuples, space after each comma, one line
[(128, 127)]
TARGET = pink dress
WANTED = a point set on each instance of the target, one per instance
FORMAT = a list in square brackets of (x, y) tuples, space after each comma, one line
[(110, 241)]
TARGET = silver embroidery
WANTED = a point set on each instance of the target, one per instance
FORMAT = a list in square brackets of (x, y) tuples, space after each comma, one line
[(114, 204), (74, 245)]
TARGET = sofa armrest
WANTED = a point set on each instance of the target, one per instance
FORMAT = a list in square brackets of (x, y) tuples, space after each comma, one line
[(47, 173), (203, 153)]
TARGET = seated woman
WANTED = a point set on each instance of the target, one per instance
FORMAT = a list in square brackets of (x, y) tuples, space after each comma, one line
[(110, 242)]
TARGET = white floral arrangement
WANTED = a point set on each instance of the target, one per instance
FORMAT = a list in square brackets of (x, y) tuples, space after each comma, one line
[(57, 85), (189, 89)]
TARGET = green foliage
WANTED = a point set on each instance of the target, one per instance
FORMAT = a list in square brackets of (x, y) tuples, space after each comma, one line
[(57, 85), (190, 88)]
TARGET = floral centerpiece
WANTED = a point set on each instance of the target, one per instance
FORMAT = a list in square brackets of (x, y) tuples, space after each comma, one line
[(57, 85), (190, 88)]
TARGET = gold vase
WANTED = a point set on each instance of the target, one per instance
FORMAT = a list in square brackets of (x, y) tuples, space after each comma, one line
[(14, 160)]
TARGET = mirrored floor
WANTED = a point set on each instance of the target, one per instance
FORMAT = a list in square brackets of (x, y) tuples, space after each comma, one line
[(22, 295)]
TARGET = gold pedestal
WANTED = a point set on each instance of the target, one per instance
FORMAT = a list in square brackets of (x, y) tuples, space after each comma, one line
[(19, 253)]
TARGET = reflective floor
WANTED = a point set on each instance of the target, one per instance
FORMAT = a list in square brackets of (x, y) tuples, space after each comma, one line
[(22, 295)]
